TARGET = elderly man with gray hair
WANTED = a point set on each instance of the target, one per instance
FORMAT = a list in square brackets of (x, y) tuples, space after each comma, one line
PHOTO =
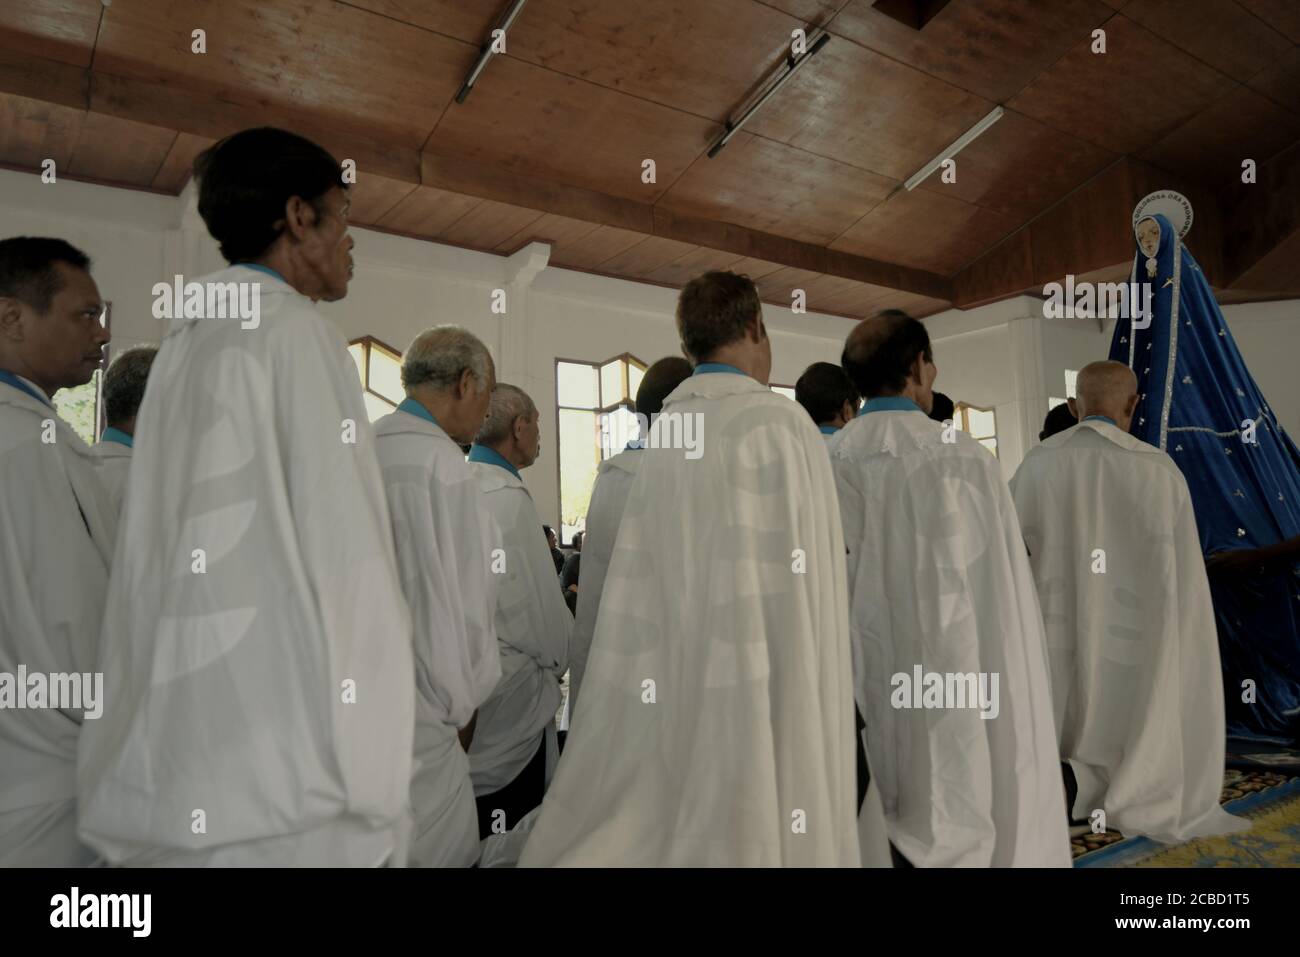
[(445, 542), (123, 392), (515, 750)]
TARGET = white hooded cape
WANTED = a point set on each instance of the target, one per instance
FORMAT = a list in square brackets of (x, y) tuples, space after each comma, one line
[(608, 500), (939, 579), (716, 726), (533, 627), (274, 691), (56, 543), (1131, 636), (113, 464), (445, 540)]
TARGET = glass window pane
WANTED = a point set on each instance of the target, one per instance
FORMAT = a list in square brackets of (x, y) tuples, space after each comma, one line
[(77, 407), (579, 456), (358, 352), (376, 407), (784, 390), (990, 444), (576, 385), (634, 376), (1053, 403), (386, 375), (1071, 376), (982, 424), (620, 428), (611, 383)]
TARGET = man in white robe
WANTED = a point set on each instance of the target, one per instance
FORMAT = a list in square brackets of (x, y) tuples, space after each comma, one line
[(56, 542), (123, 392), (515, 748), (1133, 648), (445, 543), (608, 500), (716, 719), (949, 660), (256, 643), (830, 399)]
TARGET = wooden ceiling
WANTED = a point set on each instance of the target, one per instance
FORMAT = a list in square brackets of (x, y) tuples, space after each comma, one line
[(550, 144)]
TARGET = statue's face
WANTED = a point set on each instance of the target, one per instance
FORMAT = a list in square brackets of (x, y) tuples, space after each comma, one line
[(1148, 236)]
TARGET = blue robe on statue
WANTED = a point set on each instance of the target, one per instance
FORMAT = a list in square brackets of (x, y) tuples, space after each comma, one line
[(1197, 403)]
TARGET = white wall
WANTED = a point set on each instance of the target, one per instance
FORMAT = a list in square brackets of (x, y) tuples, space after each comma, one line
[(400, 287), (1004, 356)]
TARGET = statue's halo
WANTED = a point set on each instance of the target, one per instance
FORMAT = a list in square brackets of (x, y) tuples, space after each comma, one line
[(1175, 206)]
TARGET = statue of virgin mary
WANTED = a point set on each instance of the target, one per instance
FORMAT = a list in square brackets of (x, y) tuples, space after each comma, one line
[(1199, 404)]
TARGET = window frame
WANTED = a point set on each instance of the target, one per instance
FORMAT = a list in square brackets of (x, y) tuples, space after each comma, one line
[(628, 360), (367, 343)]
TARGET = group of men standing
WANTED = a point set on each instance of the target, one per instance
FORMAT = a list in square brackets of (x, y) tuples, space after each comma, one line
[(330, 644)]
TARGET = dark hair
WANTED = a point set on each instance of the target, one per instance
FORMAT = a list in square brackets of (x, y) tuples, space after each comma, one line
[(1058, 419), (124, 383), (547, 530), (884, 364), (660, 380), (823, 389), (246, 179), (577, 539), (714, 310), (943, 408), (27, 270)]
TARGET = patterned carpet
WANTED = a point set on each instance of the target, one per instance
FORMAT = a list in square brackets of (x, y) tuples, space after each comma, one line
[(1270, 799)]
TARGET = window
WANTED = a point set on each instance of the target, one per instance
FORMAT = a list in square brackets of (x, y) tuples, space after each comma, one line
[(785, 390), (1053, 403), (83, 407), (979, 424), (380, 369), (595, 407)]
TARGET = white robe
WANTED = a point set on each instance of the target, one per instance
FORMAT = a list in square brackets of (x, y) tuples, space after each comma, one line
[(56, 543), (717, 712), (608, 500), (939, 578), (113, 463), (445, 539), (1133, 648), (533, 627), (274, 692)]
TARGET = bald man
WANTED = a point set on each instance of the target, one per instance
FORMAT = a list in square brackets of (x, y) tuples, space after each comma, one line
[(949, 664), (605, 513), (1134, 654), (445, 540), (515, 749)]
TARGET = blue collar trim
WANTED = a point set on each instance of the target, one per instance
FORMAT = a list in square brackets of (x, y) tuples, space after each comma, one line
[(481, 453), (705, 367), (414, 407), (117, 435), (890, 403)]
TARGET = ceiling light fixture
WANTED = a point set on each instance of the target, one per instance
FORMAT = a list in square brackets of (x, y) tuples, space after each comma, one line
[(917, 178), (485, 52), (791, 64)]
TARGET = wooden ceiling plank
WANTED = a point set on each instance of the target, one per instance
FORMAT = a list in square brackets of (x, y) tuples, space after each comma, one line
[(461, 175), (427, 212), (991, 48)]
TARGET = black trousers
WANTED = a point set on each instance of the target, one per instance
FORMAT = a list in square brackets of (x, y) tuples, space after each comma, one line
[(518, 797)]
